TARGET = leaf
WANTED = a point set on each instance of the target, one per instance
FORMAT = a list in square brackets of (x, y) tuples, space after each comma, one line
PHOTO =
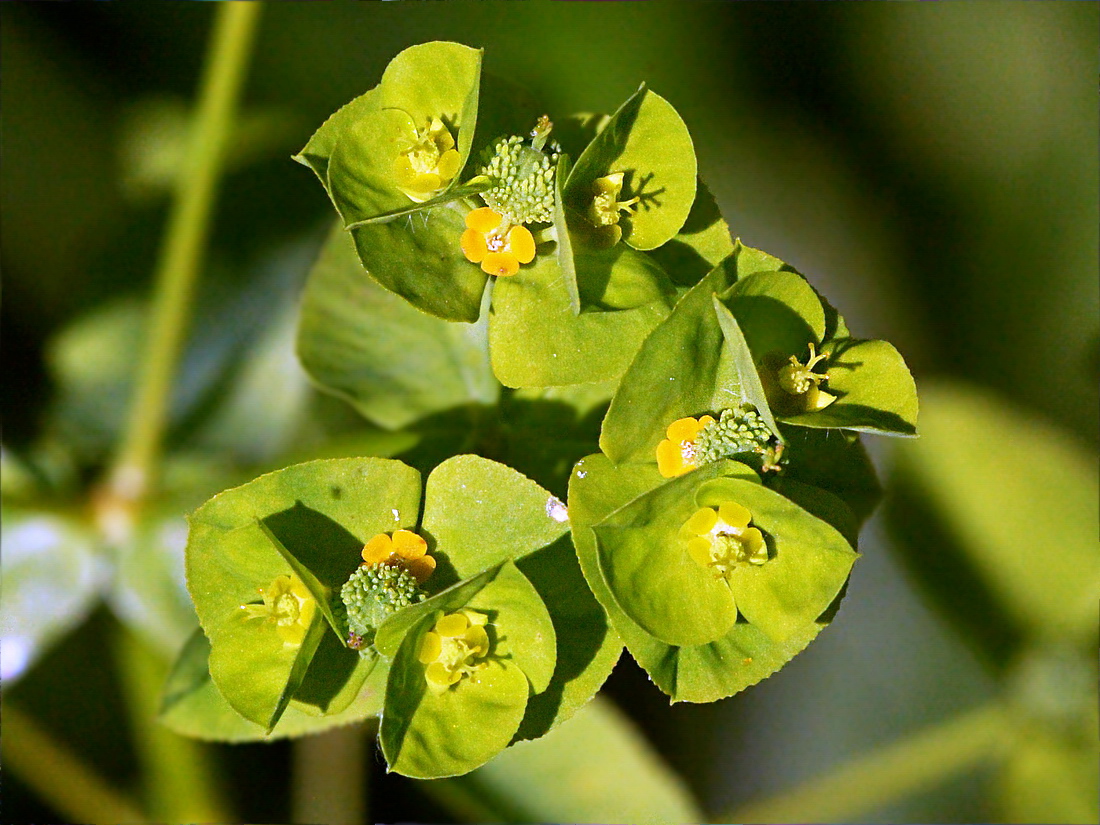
[(425, 735), (675, 373), (743, 367), (875, 391), (419, 258), (53, 574), (480, 513), (834, 461), (320, 146), (191, 704), (647, 140), (575, 775), (322, 512), (473, 187), (778, 312), (649, 572), (1016, 502), (563, 244), (422, 83), (703, 673), (393, 363), (702, 243), (535, 340)]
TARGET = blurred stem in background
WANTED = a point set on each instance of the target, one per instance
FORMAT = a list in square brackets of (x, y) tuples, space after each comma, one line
[(853, 790), (178, 263)]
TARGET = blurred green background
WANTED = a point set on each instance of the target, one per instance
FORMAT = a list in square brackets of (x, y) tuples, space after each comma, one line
[(932, 169)]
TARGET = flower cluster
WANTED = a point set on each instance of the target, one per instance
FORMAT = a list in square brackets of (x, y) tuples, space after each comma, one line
[(797, 388), (523, 177), (456, 647), (606, 209), (494, 243), (721, 539), (428, 161), (288, 605)]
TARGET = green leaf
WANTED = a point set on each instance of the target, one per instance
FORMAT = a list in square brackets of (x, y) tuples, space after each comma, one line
[(473, 187), (191, 704), (576, 775), (322, 512), (53, 574), (778, 312), (425, 735), (419, 258), (647, 140), (321, 593), (808, 560), (676, 373), (535, 339), (834, 461), (1017, 502), (393, 363), (703, 673), (750, 390), (563, 243), (425, 82), (875, 391), (647, 568), (702, 243), (587, 647), (319, 149), (480, 513)]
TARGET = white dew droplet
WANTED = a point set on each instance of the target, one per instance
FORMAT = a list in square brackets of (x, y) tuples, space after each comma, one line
[(396, 515), (556, 510)]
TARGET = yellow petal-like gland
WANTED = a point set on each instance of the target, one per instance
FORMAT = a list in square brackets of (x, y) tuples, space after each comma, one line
[(478, 640), (291, 634), (420, 568), (430, 648), (670, 459), (449, 164), (378, 549), (403, 170), (683, 429), (439, 677), (408, 545), (734, 514), (500, 264), (521, 243), (699, 550), (473, 246), (453, 625), (608, 185), (483, 220), (701, 522)]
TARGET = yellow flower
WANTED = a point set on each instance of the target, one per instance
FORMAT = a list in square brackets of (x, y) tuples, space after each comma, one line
[(454, 648), (603, 212), (676, 454), (429, 163), (498, 246), (288, 605), (800, 386), (405, 549), (722, 539)]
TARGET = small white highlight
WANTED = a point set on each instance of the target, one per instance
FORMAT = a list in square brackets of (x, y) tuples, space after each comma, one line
[(556, 510), (396, 515), (581, 473)]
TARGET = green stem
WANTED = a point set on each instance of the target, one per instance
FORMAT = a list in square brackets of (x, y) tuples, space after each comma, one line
[(897, 770), (58, 777), (329, 783), (182, 249)]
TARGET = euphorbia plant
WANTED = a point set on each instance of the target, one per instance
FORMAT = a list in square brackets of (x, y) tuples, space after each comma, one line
[(478, 267)]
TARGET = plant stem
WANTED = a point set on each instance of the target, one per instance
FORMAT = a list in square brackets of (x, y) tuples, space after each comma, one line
[(329, 783), (892, 772), (181, 253), (58, 777)]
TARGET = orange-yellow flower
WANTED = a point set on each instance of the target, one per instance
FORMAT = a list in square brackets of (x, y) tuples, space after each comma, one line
[(404, 548), (722, 539), (498, 246), (676, 454)]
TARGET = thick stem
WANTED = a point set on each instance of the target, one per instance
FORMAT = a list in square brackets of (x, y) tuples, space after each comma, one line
[(893, 772), (179, 261)]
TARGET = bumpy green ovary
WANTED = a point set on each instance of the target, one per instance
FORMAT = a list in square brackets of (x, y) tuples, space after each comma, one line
[(374, 592), (456, 647), (523, 178)]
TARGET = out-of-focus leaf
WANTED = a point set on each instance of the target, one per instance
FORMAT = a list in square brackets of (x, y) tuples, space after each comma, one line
[(52, 575), (392, 362), (1018, 499), (596, 768)]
